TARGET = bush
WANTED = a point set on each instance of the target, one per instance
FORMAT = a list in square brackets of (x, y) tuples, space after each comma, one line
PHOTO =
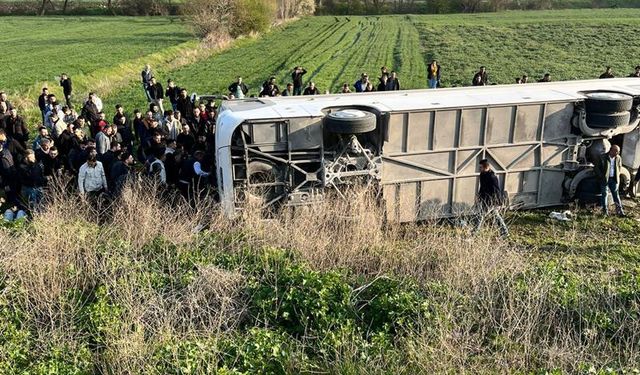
[(143, 7), (219, 19), (252, 16)]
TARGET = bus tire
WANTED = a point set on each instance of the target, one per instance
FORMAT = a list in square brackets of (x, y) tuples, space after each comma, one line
[(608, 102), (588, 191), (608, 120), (350, 121)]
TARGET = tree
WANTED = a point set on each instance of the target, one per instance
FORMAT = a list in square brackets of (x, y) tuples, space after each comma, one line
[(470, 6), (43, 7)]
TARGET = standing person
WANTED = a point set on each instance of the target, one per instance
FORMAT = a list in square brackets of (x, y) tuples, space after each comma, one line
[(238, 89), (433, 74), (490, 198), (607, 170), (103, 140), (156, 93), (5, 105), (120, 172), (480, 78), (67, 88), (42, 102), (184, 104), (384, 72), (393, 83), (146, 79), (186, 139), (345, 89), (382, 86), (91, 178), (608, 73), (15, 128), (288, 91), (310, 90), (518, 80), (172, 93), (157, 169), (546, 78), (32, 179), (635, 74), (525, 79), (296, 77), (8, 172), (270, 90), (90, 111), (361, 84), (171, 126)]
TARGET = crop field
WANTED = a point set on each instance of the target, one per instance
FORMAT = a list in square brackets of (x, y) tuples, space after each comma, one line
[(143, 292), (335, 50), (38, 49)]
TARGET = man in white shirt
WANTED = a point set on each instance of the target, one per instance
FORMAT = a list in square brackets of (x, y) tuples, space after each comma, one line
[(91, 178)]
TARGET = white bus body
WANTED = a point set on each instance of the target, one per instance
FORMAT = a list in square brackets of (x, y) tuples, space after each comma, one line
[(423, 153)]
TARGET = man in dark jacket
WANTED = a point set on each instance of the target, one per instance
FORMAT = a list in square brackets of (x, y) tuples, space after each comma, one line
[(172, 93), (311, 89), (120, 172), (67, 88), (32, 179), (90, 111), (15, 128), (186, 139), (184, 104), (490, 198), (42, 102), (238, 89), (156, 93), (480, 78), (546, 78), (393, 84), (67, 141), (608, 73), (270, 88), (296, 77), (636, 73), (8, 173), (607, 169)]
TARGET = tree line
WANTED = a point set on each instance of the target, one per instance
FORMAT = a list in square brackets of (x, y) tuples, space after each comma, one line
[(361, 7)]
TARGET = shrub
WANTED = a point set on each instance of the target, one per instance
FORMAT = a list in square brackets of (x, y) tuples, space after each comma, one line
[(252, 16)]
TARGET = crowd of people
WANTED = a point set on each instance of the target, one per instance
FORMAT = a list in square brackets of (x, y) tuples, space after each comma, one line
[(172, 142)]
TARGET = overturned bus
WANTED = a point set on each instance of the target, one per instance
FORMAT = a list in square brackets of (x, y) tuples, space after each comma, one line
[(420, 148)]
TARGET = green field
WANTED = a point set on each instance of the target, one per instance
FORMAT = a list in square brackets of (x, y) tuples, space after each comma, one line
[(38, 49), (318, 293), (567, 44)]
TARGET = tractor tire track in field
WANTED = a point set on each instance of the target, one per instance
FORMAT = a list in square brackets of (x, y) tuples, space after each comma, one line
[(335, 81), (326, 32), (336, 54), (316, 51)]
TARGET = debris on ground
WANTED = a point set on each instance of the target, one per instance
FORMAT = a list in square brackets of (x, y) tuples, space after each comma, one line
[(561, 216)]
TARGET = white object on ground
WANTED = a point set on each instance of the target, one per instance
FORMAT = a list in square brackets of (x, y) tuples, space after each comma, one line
[(561, 216)]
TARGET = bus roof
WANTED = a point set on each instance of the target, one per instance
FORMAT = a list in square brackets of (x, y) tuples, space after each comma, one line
[(411, 100)]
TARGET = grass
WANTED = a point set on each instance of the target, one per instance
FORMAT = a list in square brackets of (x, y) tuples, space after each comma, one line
[(569, 44), (44, 47), (129, 293)]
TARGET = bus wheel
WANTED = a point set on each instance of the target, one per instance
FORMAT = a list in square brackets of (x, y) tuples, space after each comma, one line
[(608, 102), (264, 179), (350, 121)]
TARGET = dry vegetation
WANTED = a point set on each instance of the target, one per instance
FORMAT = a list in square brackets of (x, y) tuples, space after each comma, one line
[(133, 288)]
